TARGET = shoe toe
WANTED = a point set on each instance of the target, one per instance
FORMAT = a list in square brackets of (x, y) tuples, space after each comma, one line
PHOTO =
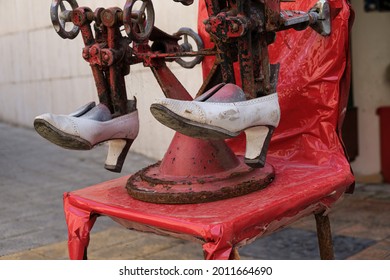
[(60, 122), (45, 117)]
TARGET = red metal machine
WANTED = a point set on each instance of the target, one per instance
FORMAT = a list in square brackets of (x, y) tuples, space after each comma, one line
[(192, 170)]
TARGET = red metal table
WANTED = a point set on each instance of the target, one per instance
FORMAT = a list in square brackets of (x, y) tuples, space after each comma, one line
[(220, 226)]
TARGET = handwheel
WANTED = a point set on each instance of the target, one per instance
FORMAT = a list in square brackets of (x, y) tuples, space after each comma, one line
[(187, 47), (138, 19), (60, 16)]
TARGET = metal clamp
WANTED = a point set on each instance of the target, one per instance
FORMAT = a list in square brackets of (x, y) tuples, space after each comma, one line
[(60, 16)]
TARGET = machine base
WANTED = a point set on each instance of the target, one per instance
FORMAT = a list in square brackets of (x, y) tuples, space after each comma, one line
[(151, 186)]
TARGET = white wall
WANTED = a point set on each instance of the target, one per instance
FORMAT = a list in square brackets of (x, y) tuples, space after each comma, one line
[(41, 72), (371, 87)]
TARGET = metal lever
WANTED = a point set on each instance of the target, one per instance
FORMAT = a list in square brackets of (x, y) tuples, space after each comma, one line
[(317, 18)]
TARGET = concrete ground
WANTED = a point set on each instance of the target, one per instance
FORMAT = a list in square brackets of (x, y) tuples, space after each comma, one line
[(35, 173)]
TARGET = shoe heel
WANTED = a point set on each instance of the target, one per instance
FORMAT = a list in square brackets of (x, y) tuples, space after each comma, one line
[(257, 142), (117, 152)]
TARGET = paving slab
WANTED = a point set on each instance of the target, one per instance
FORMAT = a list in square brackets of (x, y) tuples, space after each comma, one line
[(34, 174)]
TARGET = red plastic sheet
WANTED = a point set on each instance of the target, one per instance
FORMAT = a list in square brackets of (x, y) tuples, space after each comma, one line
[(312, 171)]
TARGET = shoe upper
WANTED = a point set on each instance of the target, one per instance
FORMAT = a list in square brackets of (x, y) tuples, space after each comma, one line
[(232, 116), (83, 109), (98, 113), (95, 125)]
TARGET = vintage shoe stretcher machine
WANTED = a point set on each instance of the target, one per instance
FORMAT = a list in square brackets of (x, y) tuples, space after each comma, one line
[(202, 190)]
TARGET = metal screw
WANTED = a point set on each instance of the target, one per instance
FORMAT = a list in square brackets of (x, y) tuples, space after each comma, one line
[(85, 53), (234, 27)]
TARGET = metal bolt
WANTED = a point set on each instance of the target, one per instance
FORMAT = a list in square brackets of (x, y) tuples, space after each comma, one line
[(85, 53), (93, 51), (107, 16), (234, 27)]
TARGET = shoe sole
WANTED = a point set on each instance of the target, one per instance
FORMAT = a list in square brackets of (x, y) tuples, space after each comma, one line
[(189, 127), (58, 137)]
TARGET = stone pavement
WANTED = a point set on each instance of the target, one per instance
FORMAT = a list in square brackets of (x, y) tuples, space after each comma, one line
[(34, 174)]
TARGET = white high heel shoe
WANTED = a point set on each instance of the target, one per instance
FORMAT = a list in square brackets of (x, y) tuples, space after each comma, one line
[(211, 120), (88, 127)]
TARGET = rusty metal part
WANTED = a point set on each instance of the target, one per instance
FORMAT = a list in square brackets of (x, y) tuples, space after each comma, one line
[(106, 57), (98, 15), (272, 14), (138, 23), (225, 27), (239, 30), (99, 54), (235, 254), (110, 17), (213, 78), (90, 53), (82, 16), (170, 85), (115, 41), (60, 16), (213, 7), (146, 56), (296, 19), (324, 236), (164, 43), (226, 57), (158, 35), (322, 25)]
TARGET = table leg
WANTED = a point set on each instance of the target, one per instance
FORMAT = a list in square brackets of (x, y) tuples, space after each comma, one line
[(212, 252), (324, 235), (80, 223)]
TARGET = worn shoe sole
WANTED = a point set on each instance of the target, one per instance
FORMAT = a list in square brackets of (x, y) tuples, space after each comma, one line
[(60, 138), (189, 127)]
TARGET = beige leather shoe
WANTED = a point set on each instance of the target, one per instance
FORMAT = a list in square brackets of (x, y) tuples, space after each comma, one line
[(211, 120), (90, 127)]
